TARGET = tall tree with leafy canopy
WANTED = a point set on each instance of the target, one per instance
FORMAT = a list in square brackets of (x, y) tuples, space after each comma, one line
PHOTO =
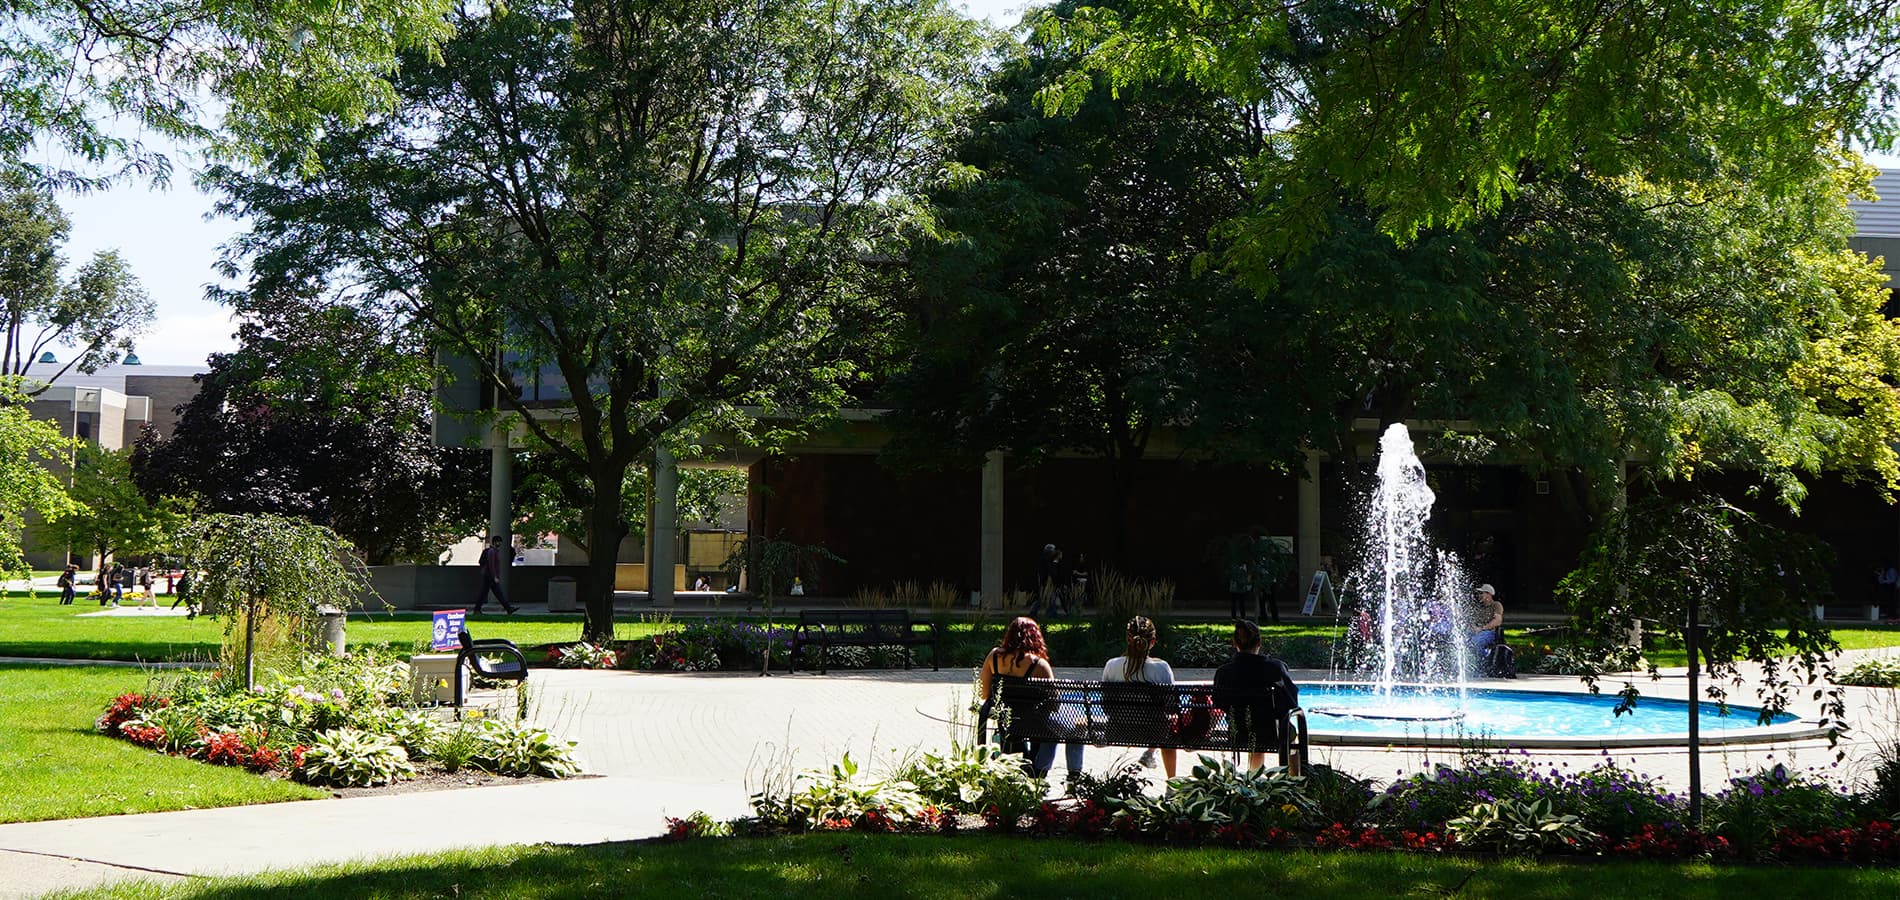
[(115, 519), (101, 310), (682, 210), (29, 451), (323, 414), (1433, 115), (1068, 298), (271, 69)]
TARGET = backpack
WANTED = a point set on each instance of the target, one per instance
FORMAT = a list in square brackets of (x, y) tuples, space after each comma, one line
[(1501, 661)]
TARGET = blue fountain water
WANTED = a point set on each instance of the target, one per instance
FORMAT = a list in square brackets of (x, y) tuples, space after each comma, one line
[(1504, 715)]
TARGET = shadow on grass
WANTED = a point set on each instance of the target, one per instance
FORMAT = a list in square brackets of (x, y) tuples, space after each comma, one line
[(828, 866)]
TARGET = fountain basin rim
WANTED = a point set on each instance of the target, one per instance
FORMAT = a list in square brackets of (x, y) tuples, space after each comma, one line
[(1797, 730)]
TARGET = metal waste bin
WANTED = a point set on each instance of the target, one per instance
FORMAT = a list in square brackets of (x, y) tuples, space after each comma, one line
[(330, 628), (563, 595)]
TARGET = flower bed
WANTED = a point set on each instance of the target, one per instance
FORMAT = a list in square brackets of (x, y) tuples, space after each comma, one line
[(340, 723), (1501, 806)]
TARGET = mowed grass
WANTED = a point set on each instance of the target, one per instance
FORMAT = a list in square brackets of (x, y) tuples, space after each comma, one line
[(53, 765), (830, 866), (42, 628)]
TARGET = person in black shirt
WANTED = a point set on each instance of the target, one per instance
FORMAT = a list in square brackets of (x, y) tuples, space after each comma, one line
[(1256, 691)]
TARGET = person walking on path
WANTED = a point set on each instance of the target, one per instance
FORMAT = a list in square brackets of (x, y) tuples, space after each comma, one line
[(145, 584), (490, 564), (66, 585)]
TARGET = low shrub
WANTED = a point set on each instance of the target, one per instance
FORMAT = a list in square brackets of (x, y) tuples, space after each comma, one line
[(584, 656), (347, 757), (1525, 828), (1754, 812), (1873, 673), (514, 748)]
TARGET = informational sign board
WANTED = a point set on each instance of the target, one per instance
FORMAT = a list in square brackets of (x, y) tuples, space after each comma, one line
[(445, 631), (1321, 585)]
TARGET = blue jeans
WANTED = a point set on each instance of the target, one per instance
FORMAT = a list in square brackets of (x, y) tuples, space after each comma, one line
[(1044, 756), (1482, 639)]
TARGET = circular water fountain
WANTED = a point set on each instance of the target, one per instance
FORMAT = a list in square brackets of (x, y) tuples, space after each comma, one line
[(1362, 715), (1409, 684)]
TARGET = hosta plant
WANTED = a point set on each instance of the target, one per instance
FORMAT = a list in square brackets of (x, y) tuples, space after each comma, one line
[(844, 793), (348, 757), (515, 748), (1519, 827)]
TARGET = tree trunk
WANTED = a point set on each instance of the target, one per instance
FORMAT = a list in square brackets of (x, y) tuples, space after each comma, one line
[(605, 529)]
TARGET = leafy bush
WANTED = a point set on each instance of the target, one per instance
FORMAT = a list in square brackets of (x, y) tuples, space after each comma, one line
[(1617, 803), (455, 748), (514, 748), (1126, 782), (1427, 800), (1198, 649), (1515, 826), (1754, 810), (247, 748), (1338, 798), (1303, 651), (843, 794), (973, 778), (348, 757), (125, 708), (1873, 673), (584, 656), (1217, 796)]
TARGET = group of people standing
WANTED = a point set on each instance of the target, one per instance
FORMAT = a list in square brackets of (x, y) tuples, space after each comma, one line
[(115, 581), (1023, 654), (1062, 584)]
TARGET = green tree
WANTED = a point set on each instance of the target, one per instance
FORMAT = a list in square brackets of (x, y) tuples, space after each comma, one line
[(322, 414), (100, 310), (667, 213), (1434, 115), (1067, 300), (30, 450), (271, 68), (115, 519), (1729, 585), (541, 507), (269, 574)]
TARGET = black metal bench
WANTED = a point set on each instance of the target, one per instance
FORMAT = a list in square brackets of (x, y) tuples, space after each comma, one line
[(826, 628), (512, 667), (1135, 714)]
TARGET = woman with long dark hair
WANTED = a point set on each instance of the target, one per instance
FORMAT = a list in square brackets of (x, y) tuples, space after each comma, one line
[(1023, 654), (1135, 664)]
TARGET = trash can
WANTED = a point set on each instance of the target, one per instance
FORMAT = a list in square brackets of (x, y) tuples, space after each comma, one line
[(330, 628), (562, 595)]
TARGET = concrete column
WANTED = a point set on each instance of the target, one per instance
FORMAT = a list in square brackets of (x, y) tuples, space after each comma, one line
[(1309, 525), (663, 527), (994, 589), (501, 488)]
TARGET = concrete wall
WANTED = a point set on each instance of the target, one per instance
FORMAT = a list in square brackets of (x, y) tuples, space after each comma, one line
[(454, 587), (167, 392)]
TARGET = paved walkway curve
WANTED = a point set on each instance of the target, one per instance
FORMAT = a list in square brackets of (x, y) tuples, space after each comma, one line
[(668, 744)]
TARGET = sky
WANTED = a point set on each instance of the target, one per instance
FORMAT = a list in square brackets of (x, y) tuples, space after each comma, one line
[(171, 243)]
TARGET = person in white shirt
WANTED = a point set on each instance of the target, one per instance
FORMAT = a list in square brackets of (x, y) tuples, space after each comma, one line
[(1137, 665)]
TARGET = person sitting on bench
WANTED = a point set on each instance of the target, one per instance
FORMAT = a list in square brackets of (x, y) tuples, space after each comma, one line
[(1256, 691), (1486, 620)]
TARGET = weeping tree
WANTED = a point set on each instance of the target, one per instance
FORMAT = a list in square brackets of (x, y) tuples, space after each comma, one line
[(270, 576), (774, 563), (1735, 589)]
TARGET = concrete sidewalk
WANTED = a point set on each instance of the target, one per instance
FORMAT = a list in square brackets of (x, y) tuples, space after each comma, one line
[(668, 744)]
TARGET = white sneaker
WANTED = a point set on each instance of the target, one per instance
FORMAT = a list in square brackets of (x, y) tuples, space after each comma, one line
[(1148, 758)]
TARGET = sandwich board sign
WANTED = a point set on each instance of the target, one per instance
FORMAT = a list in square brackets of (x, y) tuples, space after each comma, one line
[(1322, 584)]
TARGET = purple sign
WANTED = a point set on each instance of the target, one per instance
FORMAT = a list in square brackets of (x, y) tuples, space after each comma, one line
[(445, 633)]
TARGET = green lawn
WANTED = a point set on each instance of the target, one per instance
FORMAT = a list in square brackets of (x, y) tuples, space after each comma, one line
[(829, 866), (57, 767), (45, 629)]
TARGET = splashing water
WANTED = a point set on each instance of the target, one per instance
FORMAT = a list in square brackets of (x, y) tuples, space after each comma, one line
[(1416, 593)]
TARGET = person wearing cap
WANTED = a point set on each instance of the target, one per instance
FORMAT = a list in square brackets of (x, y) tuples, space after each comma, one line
[(1489, 616)]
